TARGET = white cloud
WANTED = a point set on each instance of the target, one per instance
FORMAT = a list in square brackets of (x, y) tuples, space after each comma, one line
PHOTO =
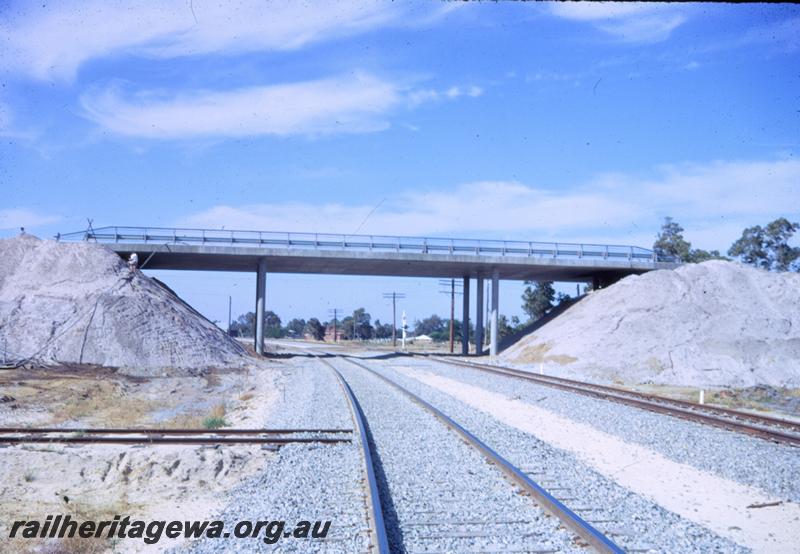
[(630, 22), (52, 41), (355, 103), (20, 217), (779, 36), (417, 97), (714, 202)]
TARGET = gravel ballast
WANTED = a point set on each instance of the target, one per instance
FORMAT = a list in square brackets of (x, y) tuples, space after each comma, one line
[(442, 494), (302, 482), (752, 461), (632, 521)]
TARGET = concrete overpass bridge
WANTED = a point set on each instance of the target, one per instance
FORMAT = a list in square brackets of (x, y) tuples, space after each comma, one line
[(318, 253)]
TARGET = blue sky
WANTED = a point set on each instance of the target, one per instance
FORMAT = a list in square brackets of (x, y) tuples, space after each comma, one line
[(534, 121)]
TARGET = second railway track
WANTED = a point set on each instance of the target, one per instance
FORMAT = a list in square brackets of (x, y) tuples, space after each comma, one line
[(764, 427)]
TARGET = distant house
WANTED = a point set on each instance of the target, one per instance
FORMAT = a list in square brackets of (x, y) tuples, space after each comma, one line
[(422, 338)]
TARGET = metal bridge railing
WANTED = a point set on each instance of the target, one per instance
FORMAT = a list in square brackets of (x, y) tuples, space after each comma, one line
[(378, 243)]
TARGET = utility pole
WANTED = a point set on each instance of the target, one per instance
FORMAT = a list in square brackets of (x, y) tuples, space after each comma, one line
[(335, 313), (404, 329), (230, 301), (452, 292), (394, 296)]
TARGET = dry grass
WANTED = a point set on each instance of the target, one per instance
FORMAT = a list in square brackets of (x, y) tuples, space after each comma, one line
[(217, 411), (537, 353), (247, 396)]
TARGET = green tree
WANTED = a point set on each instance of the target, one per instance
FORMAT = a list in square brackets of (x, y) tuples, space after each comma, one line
[(670, 243), (697, 256), (768, 247), (431, 326), (296, 327), (244, 326), (503, 327), (272, 325), (383, 330), (361, 330), (537, 299), (315, 329)]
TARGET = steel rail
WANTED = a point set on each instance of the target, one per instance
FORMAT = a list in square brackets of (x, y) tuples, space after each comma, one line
[(755, 418), (546, 501), (156, 431), (653, 403), (152, 439), (377, 528)]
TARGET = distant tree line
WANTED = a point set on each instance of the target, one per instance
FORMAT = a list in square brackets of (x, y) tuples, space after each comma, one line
[(765, 247), (357, 326)]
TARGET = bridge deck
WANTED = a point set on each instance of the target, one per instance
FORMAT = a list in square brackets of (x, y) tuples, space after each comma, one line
[(199, 249)]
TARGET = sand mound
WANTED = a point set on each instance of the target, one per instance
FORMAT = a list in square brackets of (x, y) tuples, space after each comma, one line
[(715, 323), (77, 302)]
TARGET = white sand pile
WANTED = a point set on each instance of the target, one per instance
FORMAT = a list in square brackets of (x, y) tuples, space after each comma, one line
[(715, 323), (77, 302)]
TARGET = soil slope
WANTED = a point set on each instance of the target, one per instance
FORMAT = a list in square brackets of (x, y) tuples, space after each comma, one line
[(78, 303), (715, 323)]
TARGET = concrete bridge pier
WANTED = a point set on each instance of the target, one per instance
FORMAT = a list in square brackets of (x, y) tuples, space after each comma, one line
[(479, 317), (494, 313), (465, 319), (261, 291)]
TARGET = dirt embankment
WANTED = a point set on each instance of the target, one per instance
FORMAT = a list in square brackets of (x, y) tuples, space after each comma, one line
[(79, 303), (716, 323)]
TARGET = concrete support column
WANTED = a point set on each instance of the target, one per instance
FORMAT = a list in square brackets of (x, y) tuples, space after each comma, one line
[(479, 317), (261, 291), (494, 313), (465, 319)]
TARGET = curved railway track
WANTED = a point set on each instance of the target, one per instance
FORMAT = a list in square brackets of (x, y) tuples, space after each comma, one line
[(377, 530), (764, 427), (581, 528)]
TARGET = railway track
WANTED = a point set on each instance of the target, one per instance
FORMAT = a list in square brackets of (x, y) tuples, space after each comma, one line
[(755, 425), (377, 529), (142, 436), (585, 534)]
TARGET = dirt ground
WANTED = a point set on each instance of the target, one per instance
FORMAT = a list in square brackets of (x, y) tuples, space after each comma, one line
[(145, 482)]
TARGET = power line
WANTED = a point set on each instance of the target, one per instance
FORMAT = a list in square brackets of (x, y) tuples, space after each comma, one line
[(394, 296), (452, 292), (335, 313)]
